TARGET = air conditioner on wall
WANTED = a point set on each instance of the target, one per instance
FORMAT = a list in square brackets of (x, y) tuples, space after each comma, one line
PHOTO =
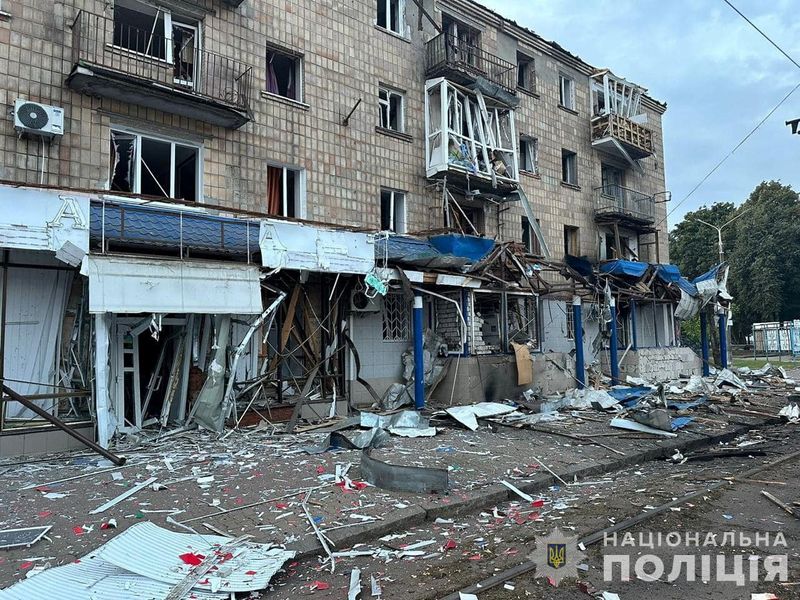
[(360, 302), (41, 120)]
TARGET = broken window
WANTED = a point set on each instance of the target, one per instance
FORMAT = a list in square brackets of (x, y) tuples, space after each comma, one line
[(526, 72), (485, 326), (463, 42), (529, 238), (613, 180), (570, 321), (284, 73), (566, 91), (522, 320), (158, 33), (392, 110), (467, 219), (391, 15), (396, 318), (569, 167), (528, 154), (285, 191), (571, 240), (154, 167), (393, 211)]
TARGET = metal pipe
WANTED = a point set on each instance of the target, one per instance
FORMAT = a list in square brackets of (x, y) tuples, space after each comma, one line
[(614, 350), (117, 460), (704, 343), (419, 362), (577, 326)]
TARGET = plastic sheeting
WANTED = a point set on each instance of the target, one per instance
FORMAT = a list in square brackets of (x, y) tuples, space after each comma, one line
[(208, 410), (627, 268)]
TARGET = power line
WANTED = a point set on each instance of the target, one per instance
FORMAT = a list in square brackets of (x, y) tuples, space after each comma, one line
[(752, 131)]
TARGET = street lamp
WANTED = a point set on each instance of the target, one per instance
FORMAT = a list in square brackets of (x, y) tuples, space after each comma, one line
[(719, 231)]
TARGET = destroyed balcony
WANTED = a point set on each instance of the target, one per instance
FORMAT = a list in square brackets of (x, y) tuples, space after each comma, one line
[(624, 206), (469, 139), (112, 59), (448, 56), (621, 137)]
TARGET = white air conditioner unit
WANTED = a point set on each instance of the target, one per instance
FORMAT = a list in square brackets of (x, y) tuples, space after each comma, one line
[(360, 302), (37, 119)]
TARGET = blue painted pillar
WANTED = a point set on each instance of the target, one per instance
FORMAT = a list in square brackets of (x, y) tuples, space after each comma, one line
[(419, 362), (577, 325), (723, 339), (704, 343), (634, 334), (614, 349)]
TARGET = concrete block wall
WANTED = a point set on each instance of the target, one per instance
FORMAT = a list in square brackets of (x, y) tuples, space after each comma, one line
[(345, 58), (660, 364)]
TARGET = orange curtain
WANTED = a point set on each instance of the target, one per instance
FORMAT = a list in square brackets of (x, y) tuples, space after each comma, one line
[(274, 202)]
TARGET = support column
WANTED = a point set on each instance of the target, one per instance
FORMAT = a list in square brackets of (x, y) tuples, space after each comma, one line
[(106, 418), (614, 349), (419, 362), (704, 344), (577, 325), (723, 339), (634, 334)]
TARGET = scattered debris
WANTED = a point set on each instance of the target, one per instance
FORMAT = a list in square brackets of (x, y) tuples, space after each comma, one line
[(26, 536), (403, 478)]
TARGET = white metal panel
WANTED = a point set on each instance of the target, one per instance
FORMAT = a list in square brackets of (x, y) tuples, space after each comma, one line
[(36, 219), (290, 245), (137, 285)]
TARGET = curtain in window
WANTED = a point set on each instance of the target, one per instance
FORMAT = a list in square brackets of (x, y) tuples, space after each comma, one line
[(272, 78), (274, 195)]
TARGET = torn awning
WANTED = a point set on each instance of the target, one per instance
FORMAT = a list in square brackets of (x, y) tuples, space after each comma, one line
[(628, 268), (147, 285), (306, 247), (672, 274)]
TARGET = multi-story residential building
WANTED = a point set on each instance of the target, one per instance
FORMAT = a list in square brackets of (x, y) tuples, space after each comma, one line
[(195, 146)]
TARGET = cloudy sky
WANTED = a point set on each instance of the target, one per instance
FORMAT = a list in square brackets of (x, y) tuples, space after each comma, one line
[(718, 76)]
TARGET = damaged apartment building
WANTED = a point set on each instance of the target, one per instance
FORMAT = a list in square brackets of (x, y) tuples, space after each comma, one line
[(218, 211)]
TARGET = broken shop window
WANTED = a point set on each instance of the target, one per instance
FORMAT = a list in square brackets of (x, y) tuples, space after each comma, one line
[(154, 166), (284, 73), (499, 318)]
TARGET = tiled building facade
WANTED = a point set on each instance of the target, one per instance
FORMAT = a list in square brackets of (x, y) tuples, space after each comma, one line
[(342, 57)]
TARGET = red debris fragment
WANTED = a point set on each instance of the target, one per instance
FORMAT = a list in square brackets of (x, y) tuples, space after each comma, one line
[(320, 470), (475, 557), (552, 582), (78, 530), (537, 503), (190, 558), (319, 585), (44, 514), (250, 572), (281, 506), (26, 565), (449, 545)]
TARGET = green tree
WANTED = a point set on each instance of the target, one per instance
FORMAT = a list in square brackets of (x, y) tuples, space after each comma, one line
[(765, 260), (693, 245)]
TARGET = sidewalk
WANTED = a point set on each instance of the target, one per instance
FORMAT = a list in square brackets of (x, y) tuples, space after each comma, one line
[(254, 483)]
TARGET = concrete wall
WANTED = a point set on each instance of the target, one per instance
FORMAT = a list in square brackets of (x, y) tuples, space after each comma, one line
[(345, 58), (660, 364), (40, 441)]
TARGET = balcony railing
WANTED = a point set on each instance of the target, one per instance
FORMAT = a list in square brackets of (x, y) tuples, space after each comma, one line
[(99, 42), (616, 201), (632, 135), (447, 52)]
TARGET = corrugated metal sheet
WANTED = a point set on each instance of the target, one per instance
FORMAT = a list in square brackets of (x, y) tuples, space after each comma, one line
[(132, 224), (290, 245), (148, 550), (138, 285), (95, 579)]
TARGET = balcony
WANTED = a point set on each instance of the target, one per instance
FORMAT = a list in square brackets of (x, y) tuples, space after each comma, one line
[(624, 206), (447, 56), (621, 137), (121, 62)]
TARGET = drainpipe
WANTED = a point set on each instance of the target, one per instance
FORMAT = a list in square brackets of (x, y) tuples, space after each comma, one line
[(614, 351), (723, 338), (577, 325), (704, 343), (634, 335), (419, 362)]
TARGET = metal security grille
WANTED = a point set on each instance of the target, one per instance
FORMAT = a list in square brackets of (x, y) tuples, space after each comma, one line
[(396, 318)]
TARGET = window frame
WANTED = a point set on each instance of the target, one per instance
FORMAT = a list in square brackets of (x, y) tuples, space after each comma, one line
[(137, 173), (567, 94), (387, 106), (531, 154), (529, 79), (401, 17), (393, 225), (569, 167), (300, 189), (572, 237), (533, 245), (298, 60)]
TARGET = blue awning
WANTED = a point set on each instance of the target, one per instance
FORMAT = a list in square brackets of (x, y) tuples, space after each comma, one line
[(415, 252), (671, 274), (708, 275), (627, 268)]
